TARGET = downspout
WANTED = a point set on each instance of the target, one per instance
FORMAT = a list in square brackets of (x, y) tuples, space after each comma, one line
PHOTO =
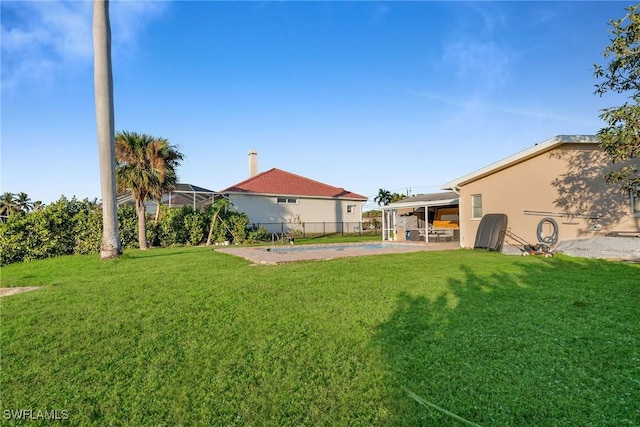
[(456, 190)]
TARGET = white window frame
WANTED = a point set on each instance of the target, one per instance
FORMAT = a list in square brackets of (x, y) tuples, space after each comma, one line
[(286, 200), (475, 197), (351, 209), (634, 204)]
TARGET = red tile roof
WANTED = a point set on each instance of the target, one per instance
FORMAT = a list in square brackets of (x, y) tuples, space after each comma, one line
[(279, 182)]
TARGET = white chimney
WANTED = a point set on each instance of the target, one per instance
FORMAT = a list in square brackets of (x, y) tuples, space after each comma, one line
[(253, 163)]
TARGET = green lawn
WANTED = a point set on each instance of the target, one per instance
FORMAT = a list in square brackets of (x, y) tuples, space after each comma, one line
[(194, 337)]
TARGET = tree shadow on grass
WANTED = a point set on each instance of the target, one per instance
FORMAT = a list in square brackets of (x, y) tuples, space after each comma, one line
[(543, 345)]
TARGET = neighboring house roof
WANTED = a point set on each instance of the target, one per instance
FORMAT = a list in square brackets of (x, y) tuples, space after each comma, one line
[(432, 199), (534, 151), (278, 182)]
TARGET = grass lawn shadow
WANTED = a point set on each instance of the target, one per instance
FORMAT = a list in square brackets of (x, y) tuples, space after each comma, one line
[(544, 344), (193, 337)]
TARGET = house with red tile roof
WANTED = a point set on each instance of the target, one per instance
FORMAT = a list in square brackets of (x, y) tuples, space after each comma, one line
[(277, 196)]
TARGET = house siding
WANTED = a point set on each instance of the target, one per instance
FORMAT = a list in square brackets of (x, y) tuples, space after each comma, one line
[(265, 209), (566, 179)]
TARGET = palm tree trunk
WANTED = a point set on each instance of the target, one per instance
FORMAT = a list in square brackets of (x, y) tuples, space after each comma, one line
[(213, 225), (103, 87), (157, 217), (142, 224)]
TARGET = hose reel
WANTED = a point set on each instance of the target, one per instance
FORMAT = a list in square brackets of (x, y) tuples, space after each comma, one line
[(550, 239)]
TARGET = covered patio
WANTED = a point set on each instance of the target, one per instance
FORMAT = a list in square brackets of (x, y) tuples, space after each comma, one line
[(428, 217)]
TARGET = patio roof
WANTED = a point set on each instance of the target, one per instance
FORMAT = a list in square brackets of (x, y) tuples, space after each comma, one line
[(425, 200)]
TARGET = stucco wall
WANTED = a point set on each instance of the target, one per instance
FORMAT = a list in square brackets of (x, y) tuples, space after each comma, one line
[(264, 209), (567, 179)]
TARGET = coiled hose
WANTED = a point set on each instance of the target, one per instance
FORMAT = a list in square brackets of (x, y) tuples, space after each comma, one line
[(551, 239)]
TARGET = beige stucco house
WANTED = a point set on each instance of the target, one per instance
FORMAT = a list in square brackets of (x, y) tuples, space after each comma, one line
[(280, 197), (562, 179)]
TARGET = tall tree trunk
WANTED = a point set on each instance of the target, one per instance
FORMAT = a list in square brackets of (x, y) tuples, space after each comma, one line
[(141, 210), (213, 225), (157, 217), (103, 87)]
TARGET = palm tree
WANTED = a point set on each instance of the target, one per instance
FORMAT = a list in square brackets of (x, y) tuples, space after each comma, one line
[(37, 205), (383, 198), (24, 202), (146, 167), (103, 88), (396, 197), (8, 205), (166, 187)]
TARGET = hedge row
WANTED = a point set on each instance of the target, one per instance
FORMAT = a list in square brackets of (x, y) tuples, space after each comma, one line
[(68, 227)]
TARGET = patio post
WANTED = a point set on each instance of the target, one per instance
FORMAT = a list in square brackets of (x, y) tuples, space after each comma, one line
[(394, 224)]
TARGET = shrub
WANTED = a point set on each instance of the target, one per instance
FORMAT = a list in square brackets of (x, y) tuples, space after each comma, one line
[(171, 227), (88, 231), (12, 236), (258, 234), (128, 225), (74, 226), (237, 223), (48, 232), (194, 226)]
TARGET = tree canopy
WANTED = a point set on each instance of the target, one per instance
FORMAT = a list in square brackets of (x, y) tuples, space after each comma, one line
[(385, 197), (620, 138), (146, 167), (15, 203)]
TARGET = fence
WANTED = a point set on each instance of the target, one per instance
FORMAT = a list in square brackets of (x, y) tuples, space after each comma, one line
[(316, 229)]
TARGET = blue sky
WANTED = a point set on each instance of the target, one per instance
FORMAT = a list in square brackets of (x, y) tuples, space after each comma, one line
[(361, 95)]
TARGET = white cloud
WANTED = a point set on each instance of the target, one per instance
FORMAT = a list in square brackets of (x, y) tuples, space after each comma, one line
[(478, 62), (473, 105), (129, 18), (41, 39), (380, 12), (490, 15), (474, 50)]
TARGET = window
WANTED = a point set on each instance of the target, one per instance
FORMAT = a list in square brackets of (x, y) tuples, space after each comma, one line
[(351, 208), (635, 204), (476, 206), (288, 200)]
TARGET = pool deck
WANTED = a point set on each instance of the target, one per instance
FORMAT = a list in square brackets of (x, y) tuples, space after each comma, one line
[(260, 255)]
